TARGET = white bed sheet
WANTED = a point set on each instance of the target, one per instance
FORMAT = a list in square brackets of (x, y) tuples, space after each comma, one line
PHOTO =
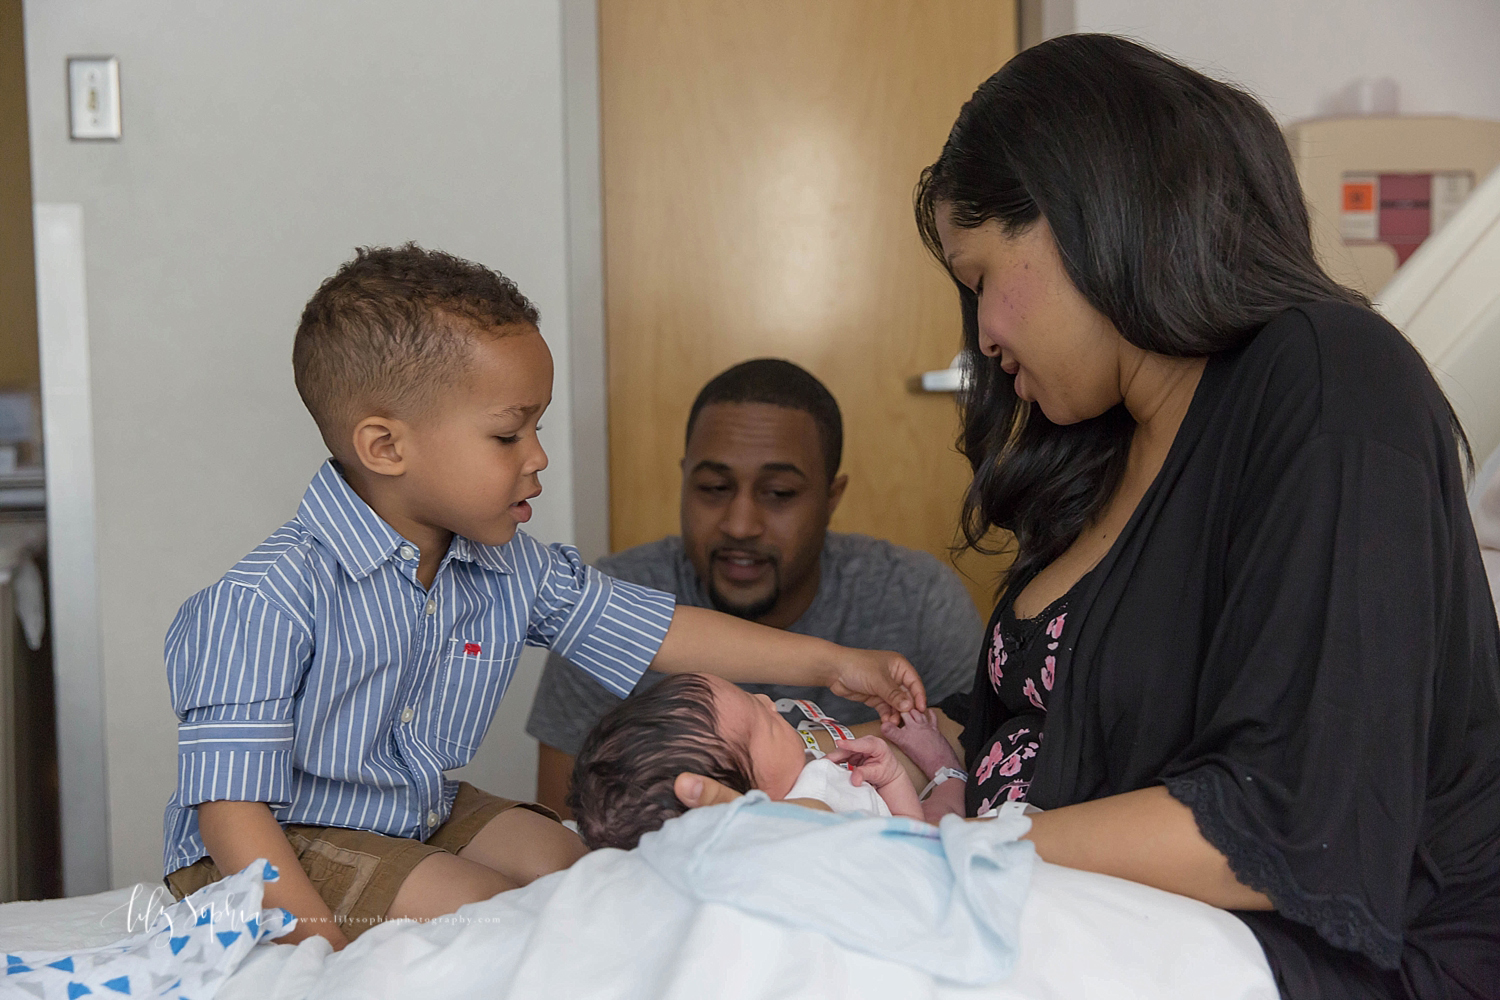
[(609, 927)]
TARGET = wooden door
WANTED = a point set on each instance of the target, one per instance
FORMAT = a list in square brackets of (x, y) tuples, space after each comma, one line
[(759, 160)]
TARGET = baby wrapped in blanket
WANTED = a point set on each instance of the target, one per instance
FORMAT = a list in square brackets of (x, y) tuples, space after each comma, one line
[(623, 778)]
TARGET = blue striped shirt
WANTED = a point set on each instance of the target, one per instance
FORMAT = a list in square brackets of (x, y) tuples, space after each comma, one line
[(320, 677)]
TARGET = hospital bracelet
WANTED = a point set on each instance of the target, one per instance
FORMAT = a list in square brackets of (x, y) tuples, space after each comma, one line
[(943, 774)]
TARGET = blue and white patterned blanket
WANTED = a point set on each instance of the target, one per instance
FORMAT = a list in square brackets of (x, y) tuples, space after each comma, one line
[(187, 952)]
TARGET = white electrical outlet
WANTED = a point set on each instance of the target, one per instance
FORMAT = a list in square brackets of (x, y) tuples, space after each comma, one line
[(94, 97)]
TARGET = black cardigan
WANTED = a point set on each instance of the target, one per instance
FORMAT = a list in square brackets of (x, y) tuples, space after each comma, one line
[(1295, 635)]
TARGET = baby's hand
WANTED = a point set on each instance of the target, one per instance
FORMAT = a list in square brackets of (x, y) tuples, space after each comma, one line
[(870, 760), (922, 741)]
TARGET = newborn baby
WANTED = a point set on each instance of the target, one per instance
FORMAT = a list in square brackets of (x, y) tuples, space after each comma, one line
[(622, 780)]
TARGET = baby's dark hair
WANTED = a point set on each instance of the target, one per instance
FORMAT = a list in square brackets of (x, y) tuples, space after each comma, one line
[(392, 328), (623, 778)]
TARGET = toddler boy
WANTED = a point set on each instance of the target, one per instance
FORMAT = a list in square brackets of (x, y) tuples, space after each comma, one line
[(325, 684), (623, 778)]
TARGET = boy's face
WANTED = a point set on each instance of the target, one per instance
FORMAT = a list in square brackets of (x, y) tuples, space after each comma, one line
[(776, 752), (472, 461)]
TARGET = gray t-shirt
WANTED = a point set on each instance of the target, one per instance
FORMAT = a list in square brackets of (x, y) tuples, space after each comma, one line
[(871, 595)]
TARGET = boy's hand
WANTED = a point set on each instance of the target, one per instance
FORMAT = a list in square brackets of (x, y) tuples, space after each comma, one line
[(237, 833), (885, 681), (918, 736), (324, 928)]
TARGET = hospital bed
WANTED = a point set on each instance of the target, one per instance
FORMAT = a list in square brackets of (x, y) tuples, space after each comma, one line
[(612, 927), (1447, 300)]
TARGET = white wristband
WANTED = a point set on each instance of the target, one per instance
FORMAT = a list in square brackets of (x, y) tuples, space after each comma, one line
[(943, 774)]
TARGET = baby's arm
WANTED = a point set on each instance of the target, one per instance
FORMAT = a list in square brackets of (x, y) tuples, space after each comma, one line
[(921, 740), (870, 760), (238, 833)]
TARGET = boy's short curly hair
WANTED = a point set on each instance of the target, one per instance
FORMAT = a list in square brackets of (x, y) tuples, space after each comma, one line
[(391, 327), (623, 778)]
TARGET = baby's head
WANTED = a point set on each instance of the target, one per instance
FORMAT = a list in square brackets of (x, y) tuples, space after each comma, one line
[(623, 778), (426, 376)]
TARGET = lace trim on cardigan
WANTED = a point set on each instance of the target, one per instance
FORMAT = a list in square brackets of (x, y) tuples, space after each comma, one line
[(1343, 921)]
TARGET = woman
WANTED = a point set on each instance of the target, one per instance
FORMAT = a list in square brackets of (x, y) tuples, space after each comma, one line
[(1247, 637)]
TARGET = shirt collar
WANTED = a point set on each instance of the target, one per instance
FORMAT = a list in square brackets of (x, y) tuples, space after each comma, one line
[(360, 539), (491, 557)]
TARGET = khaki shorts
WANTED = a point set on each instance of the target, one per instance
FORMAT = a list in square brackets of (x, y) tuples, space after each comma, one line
[(357, 872)]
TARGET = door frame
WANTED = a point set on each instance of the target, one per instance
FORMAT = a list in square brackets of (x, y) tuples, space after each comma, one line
[(584, 195), (68, 449)]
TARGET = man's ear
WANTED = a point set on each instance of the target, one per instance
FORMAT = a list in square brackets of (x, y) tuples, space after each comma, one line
[(836, 491), (380, 445)]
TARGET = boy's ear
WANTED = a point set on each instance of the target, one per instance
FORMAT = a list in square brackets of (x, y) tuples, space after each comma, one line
[(380, 444)]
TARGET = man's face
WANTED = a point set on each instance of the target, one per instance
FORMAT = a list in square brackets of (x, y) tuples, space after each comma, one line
[(755, 506)]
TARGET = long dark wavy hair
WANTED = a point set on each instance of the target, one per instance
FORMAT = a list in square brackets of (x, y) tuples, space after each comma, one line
[(1178, 215)]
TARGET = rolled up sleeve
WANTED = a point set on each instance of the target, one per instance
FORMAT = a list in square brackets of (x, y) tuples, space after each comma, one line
[(607, 627), (234, 663)]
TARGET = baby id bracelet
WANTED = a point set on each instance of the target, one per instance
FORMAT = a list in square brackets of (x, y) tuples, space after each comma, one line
[(943, 774)]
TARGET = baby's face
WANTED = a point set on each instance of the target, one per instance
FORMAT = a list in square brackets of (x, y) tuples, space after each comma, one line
[(473, 462), (751, 721)]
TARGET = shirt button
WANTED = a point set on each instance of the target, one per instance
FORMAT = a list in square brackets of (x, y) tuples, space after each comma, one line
[(406, 552), (432, 819), (407, 714), (432, 605)]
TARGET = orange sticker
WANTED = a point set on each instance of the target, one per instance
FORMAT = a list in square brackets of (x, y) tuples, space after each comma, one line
[(1359, 197)]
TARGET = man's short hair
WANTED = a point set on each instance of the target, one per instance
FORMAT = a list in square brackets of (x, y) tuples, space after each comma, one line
[(779, 383), (391, 327), (624, 775)]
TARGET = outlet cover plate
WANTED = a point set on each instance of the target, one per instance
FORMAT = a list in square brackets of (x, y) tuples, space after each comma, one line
[(94, 97)]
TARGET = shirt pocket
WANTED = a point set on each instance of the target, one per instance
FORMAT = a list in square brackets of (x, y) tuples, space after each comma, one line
[(471, 680)]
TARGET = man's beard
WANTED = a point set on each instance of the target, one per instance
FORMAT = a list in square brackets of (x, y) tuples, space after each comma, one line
[(751, 612)]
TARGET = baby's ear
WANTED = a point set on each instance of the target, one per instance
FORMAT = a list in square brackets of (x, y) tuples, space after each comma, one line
[(380, 445)]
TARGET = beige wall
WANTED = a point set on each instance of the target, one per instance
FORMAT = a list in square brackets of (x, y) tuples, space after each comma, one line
[(18, 353), (1332, 57), (262, 142)]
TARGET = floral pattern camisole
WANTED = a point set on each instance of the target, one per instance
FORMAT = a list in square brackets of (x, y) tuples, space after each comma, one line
[(1021, 655)]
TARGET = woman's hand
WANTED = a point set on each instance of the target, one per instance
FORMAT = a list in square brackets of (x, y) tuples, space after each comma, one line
[(695, 791), (885, 681), (917, 735)]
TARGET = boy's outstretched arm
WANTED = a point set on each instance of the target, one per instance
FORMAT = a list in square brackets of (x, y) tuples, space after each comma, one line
[(704, 641), (238, 833)]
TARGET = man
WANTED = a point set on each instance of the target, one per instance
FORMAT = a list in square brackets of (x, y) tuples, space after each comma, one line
[(760, 481)]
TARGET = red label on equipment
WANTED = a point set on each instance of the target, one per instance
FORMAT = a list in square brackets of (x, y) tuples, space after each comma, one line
[(472, 648), (1359, 196)]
